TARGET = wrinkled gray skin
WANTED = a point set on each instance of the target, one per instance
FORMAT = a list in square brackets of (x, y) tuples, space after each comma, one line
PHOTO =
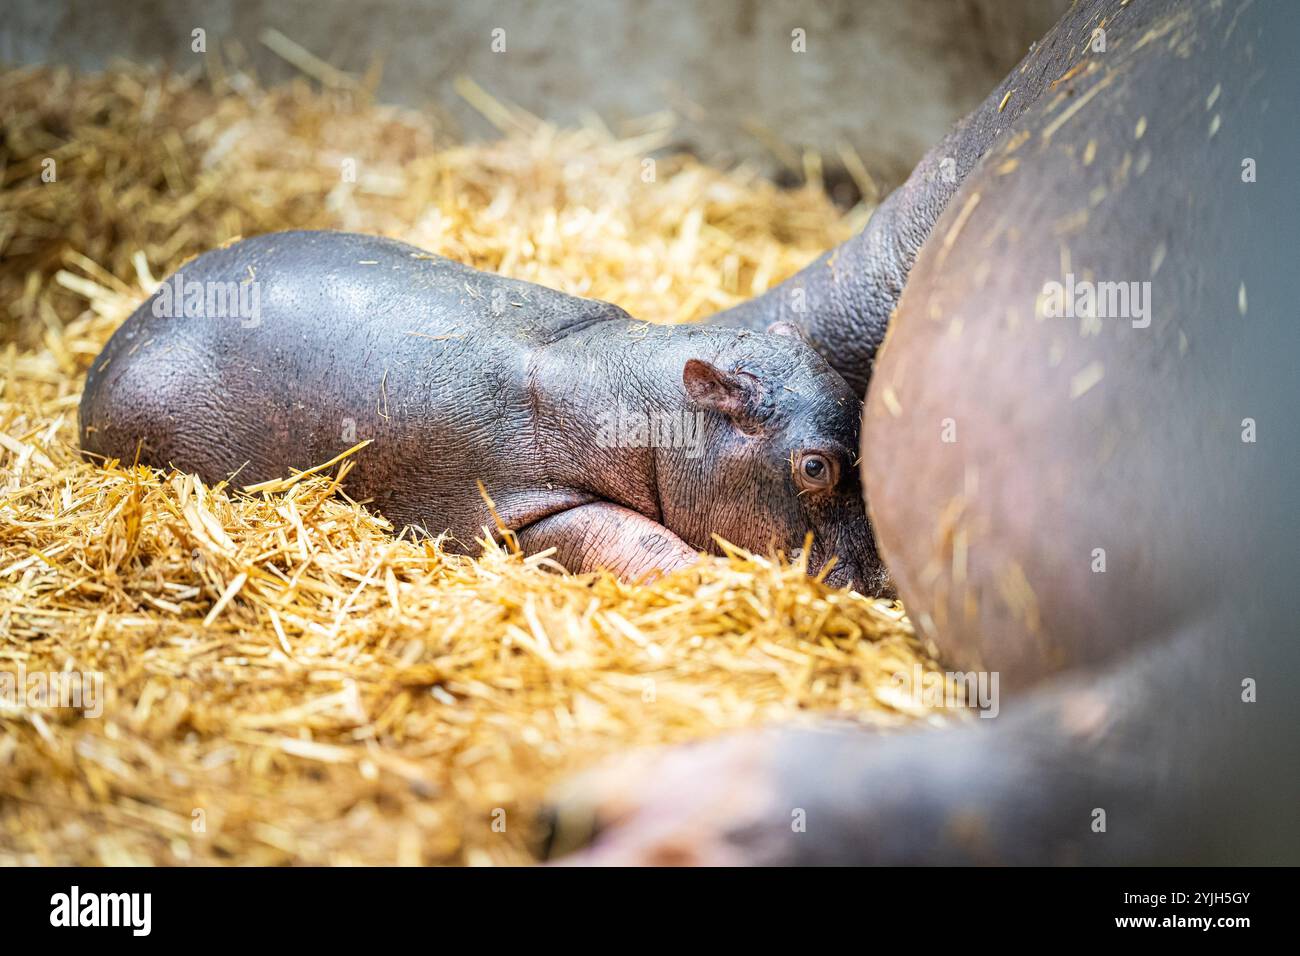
[(458, 376), (1123, 692)]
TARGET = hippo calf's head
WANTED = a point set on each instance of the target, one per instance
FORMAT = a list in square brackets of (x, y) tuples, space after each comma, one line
[(779, 440)]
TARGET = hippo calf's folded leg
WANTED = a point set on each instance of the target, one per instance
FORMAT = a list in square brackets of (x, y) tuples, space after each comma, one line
[(609, 536), (1096, 504)]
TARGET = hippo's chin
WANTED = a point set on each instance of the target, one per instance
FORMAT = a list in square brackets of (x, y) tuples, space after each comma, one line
[(874, 583), (842, 576)]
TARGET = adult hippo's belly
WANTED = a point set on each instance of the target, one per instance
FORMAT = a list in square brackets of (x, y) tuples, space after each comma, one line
[(1094, 501), (1073, 433), (1104, 325)]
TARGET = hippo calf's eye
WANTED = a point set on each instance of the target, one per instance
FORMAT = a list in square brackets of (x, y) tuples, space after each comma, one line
[(814, 471)]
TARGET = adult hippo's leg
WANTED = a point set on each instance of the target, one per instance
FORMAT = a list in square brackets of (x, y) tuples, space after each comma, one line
[(1099, 507), (843, 301)]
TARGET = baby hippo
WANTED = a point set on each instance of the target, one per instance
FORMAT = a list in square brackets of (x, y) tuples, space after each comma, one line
[(621, 444)]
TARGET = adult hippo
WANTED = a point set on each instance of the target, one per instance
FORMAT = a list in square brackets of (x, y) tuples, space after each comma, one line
[(1079, 450)]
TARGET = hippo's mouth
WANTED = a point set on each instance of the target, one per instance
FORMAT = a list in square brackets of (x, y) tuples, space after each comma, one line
[(874, 582)]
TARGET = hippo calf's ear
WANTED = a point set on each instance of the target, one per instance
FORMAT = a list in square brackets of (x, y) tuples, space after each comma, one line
[(787, 328), (734, 394)]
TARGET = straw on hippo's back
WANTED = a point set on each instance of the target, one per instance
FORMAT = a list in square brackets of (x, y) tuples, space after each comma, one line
[(457, 376)]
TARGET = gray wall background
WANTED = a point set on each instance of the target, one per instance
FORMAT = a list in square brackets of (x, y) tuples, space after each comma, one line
[(887, 76)]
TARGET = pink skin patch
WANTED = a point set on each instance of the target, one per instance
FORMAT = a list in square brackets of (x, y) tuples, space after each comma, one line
[(668, 807)]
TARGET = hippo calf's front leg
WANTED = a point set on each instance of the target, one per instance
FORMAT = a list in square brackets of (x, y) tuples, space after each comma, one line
[(608, 536)]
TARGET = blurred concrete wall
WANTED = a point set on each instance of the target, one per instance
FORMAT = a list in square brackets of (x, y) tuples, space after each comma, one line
[(888, 76)]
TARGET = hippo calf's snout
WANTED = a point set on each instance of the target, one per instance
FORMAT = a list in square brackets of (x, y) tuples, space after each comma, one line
[(861, 570), (621, 444), (781, 434)]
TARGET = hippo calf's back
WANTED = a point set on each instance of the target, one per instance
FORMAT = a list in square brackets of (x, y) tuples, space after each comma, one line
[(331, 338)]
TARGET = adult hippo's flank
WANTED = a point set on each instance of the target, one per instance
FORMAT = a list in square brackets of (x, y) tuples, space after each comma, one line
[(1080, 452), (621, 444)]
